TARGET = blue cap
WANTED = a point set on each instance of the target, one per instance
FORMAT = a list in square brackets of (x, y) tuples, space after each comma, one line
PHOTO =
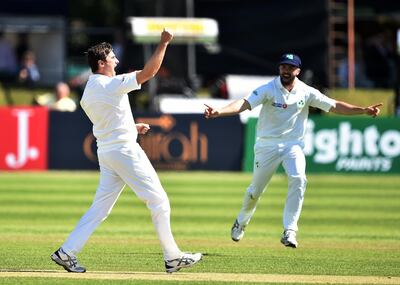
[(292, 59)]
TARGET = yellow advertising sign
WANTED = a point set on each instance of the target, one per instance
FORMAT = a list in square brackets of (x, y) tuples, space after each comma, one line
[(185, 30)]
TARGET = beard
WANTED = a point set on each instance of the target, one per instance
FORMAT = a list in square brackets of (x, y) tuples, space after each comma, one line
[(287, 79)]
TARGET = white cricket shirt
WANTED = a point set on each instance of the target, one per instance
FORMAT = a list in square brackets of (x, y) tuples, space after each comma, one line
[(105, 102), (284, 114)]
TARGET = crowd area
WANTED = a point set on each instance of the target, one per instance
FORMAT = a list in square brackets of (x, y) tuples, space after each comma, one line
[(18, 68), (376, 67)]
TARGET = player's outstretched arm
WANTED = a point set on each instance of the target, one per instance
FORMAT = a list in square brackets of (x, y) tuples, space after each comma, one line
[(153, 65), (344, 108), (233, 108)]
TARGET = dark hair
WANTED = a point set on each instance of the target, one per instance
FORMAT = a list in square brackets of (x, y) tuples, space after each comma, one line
[(96, 53)]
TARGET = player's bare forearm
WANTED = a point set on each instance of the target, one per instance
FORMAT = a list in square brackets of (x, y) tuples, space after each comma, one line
[(233, 108), (154, 63), (344, 108)]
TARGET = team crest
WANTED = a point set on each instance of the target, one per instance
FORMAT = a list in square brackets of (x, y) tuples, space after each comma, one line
[(300, 103)]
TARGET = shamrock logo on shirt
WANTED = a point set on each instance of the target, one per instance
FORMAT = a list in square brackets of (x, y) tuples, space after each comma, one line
[(300, 103)]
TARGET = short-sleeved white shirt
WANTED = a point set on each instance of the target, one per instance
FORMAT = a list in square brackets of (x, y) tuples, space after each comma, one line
[(284, 114), (106, 103)]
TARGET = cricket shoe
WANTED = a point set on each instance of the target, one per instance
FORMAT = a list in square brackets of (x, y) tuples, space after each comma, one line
[(289, 238), (69, 262), (187, 260), (237, 231)]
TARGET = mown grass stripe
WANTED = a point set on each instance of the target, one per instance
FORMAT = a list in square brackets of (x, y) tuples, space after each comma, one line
[(350, 225), (218, 277)]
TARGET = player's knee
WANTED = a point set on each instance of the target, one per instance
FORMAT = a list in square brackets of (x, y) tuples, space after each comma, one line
[(100, 214), (160, 205), (298, 182), (253, 193)]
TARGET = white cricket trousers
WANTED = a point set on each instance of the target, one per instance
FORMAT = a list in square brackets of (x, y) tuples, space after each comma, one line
[(268, 155), (117, 168)]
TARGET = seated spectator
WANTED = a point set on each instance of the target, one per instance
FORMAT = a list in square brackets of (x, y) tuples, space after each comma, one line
[(63, 100), (60, 100), (28, 72)]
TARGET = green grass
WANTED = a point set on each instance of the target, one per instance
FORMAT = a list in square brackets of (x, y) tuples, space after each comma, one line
[(350, 225)]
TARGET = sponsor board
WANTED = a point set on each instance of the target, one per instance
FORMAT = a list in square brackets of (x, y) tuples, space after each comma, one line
[(343, 144), (174, 142), (23, 133), (189, 142), (353, 145)]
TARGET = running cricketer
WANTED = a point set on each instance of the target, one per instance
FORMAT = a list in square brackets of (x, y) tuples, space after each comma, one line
[(280, 131), (121, 159)]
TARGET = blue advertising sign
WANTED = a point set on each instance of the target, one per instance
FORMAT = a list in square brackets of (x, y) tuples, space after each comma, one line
[(188, 141), (175, 142)]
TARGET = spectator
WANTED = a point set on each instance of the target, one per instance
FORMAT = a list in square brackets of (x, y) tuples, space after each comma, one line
[(63, 100), (29, 72)]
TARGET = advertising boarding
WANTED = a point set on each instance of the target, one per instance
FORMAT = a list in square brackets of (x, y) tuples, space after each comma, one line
[(23, 143), (174, 142), (360, 145)]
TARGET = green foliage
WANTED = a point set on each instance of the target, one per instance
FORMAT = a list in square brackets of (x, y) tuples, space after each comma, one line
[(350, 226)]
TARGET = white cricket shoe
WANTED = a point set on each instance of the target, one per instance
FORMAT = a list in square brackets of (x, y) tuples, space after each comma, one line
[(187, 260), (237, 231), (289, 238), (69, 262)]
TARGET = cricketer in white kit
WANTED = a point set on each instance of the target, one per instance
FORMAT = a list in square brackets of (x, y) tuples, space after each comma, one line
[(280, 131), (122, 161)]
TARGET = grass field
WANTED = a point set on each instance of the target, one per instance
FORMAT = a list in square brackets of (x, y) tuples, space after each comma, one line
[(349, 231)]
